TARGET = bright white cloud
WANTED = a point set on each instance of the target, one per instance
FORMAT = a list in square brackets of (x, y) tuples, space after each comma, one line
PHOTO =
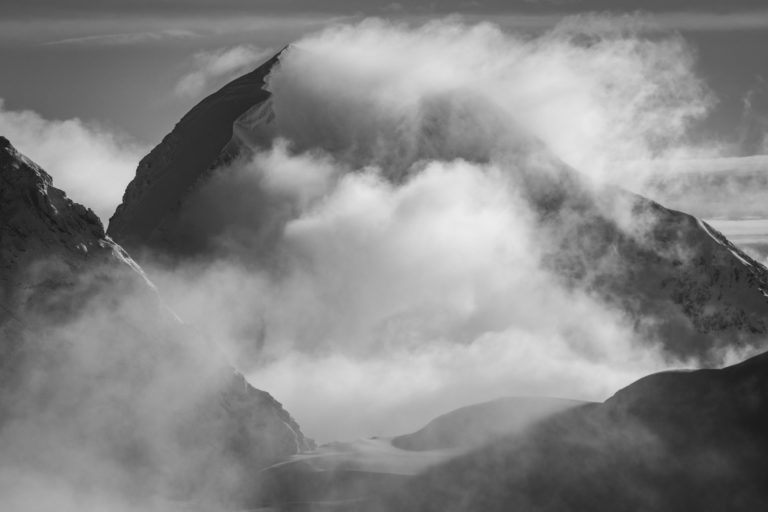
[(92, 164), (595, 94), (381, 260), (394, 303)]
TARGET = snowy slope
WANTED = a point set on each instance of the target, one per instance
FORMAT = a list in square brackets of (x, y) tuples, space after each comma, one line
[(678, 279)]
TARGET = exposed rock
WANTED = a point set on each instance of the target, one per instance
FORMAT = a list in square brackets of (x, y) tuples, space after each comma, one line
[(85, 337), (200, 142)]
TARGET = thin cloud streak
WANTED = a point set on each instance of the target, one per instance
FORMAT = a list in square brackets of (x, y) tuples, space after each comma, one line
[(165, 29), (125, 38), (160, 29)]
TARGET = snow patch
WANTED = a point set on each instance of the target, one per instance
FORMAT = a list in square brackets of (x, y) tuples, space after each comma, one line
[(708, 230)]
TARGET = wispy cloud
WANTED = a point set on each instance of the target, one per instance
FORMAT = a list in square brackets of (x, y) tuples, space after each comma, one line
[(93, 164), (640, 21), (210, 67), (163, 29), (126, 38)]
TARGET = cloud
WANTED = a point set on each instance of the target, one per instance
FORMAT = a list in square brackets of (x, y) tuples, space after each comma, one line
[(144, 413), (394, 303), (380, 261), (91, 163), (646, 21), (594, 94), (213, 68), (127, 38), (384, 252), (136, 28), (714, 21)]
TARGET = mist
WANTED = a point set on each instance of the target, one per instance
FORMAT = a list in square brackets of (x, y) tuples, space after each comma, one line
[(375, 253), (209, 70), (92, 162)]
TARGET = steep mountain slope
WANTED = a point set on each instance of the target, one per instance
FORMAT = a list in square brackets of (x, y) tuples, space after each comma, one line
[(679, 281), (45, 239), (738, 191), (166, 175), (97, 376), (671, 441)]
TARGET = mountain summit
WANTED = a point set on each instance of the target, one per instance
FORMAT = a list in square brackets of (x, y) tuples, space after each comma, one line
[(197, 143)]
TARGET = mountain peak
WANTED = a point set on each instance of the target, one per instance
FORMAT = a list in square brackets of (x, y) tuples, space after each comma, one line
[(184, 157), (44, 235)]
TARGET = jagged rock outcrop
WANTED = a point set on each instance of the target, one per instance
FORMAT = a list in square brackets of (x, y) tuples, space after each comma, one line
[(86, 345)]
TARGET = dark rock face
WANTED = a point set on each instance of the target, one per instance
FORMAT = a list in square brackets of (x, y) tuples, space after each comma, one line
[(671, 441), (86, 342), (197, 144), (40, 222)]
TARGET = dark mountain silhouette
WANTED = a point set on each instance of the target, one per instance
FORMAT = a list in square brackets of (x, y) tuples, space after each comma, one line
[(77, 310), (688, 440)]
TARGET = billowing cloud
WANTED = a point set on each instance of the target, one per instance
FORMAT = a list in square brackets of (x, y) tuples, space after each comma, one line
[(380, 263), (91, 163), (214, 68), (380, 260)]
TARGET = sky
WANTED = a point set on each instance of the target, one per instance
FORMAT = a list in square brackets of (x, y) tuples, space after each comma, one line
[(119, 63)]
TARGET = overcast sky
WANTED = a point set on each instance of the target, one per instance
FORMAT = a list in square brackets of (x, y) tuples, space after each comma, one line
[(136, 66)]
